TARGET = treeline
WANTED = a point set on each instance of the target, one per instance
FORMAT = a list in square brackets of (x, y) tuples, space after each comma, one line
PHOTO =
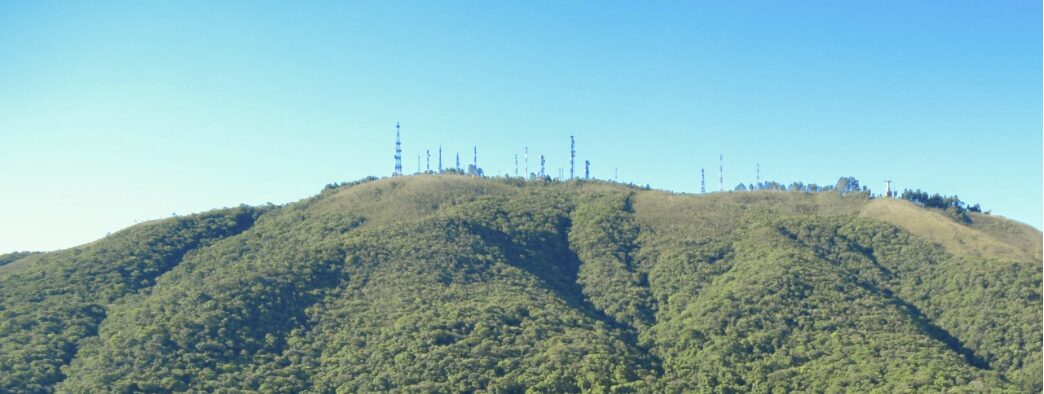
[(939, 201), (952, 205), (337, 185), (844, 185)]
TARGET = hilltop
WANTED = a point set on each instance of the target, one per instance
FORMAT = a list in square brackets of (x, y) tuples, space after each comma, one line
[(448, 283)]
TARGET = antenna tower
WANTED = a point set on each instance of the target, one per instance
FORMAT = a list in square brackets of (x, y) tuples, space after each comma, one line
[(516, 165), (458, 161), (703, 184), (427, 163), (526, 149), (587, 169), (440, 159), (721, 173), (398, 152), (758, 176), (572, 154), (541, 165), (475, 151)]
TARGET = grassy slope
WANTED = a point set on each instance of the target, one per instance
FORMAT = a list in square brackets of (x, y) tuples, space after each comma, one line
[(449, 283), (1011, 242), (1019, 235)]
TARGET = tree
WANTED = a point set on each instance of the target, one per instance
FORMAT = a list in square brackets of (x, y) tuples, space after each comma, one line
[(847, 185)]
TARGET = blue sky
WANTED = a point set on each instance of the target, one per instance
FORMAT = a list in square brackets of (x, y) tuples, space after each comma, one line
[(116, 112)]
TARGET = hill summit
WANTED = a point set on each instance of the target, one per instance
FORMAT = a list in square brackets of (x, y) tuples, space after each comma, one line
[(448, 283)]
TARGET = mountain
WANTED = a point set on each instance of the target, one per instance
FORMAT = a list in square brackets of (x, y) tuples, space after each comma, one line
[(447, 283)]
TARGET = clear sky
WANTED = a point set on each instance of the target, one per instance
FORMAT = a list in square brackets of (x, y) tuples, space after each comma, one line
[(116, 112)]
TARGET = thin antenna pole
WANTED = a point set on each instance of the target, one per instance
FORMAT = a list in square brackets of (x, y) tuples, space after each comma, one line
[(418, 164), (542, 165), (616, 174), (398, 152), (516, 165), (475, 151), (758, 176), (440, 159), (427, 163), (572, 155), (526, 149), (721, 173), (458, 161), (587, 169), (703, 183)]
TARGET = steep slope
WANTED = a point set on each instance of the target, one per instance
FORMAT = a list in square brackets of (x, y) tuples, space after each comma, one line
[(458, 284), (1018, 235), (957, 238), (788, 318), (50, 303), (9, 258)]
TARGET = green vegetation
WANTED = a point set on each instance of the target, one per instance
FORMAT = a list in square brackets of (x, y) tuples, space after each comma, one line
[(447, 283), (9, 258), (48, 308)]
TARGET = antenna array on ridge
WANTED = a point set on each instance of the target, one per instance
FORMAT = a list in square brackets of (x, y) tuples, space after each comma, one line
[(474, 168)]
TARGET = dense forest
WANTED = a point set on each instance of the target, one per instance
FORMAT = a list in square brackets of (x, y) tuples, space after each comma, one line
[(451, 283)]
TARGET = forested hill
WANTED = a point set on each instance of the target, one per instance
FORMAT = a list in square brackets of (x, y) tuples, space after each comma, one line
[(446, 283)]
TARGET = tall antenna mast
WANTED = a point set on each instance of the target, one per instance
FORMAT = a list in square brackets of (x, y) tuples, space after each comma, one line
[(888, 189), (616, 174), (440, 159), (587, 169), (526, 149), (398, 152), (572, 154), (458, 161), (427, 163), (703, 184), (418, 164), (721, 172), (476, 159), (516, 165), (541, 165), (758, 176)]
